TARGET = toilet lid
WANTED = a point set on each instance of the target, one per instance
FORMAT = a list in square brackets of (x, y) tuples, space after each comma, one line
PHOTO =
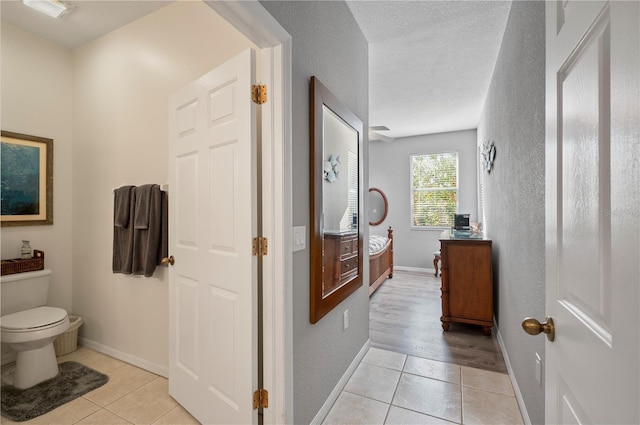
[(33, 318)]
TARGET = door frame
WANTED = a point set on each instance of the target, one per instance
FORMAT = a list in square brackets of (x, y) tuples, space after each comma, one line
[(255, 23)]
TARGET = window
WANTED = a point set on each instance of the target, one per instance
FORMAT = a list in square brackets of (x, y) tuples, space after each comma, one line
[(352, 160), (350, 218), (481, 168), (434, 189)]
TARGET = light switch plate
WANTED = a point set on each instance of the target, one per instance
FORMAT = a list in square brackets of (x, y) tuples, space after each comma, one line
[(299, 238)]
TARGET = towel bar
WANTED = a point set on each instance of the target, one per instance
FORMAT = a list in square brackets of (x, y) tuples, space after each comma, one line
[(163, 187)]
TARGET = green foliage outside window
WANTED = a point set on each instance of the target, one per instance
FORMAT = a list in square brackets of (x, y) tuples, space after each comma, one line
[(434, 182)]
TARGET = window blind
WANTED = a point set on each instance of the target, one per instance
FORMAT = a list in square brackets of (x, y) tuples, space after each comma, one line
[(434, 186)]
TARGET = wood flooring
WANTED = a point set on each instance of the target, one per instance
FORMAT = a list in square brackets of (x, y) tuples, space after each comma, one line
[(404, 316)]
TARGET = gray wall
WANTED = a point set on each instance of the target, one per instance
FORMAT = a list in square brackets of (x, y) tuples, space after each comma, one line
[(389, 170), (327, 43), (514, 119)]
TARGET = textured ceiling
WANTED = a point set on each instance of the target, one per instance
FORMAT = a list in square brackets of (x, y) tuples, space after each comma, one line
[(430, 62)]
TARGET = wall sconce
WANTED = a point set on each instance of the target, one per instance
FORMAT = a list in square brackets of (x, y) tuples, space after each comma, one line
[(53, 8)]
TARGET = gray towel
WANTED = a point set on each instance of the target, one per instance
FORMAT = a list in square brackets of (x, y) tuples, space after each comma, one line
[(143, 205), (150, 244), (121, 203), (122, 231)]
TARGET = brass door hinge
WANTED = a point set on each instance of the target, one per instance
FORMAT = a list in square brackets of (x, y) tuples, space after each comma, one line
[(260, 399), (259, 94), (260, 246)]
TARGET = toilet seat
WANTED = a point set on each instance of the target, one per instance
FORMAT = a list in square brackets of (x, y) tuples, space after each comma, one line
[(33, 320)]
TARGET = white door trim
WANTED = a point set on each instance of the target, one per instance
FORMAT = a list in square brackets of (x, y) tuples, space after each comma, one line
[(277, 325), (253, 20)]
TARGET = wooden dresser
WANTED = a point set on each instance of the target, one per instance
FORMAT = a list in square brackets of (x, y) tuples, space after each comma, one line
[(467, 283), (340, 259)]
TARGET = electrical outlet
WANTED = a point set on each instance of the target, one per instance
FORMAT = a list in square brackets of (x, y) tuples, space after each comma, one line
[(538, 368), (346, 319)]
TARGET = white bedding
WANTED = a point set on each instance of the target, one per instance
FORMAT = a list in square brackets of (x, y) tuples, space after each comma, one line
[(377, 243)]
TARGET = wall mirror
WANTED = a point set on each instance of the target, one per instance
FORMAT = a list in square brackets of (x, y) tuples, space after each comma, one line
[(336, 203), (378, 206)]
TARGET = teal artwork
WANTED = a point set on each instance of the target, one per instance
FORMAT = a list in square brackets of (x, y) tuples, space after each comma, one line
[(20, 179)]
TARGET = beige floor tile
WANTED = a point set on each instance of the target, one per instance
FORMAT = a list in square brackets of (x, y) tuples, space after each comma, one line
[(433, 369), (102, 363), (374, 382), (68, 413), (487, 380), (102, 417), (400, 416), (353, 409), (77, 355), (178, 416), (429, 396), (385, 358), (483, 407), (93, 359), (147, 404), (122, 381)]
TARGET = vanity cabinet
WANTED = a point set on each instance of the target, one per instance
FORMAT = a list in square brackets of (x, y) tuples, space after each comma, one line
[(340, 259), (467, 283)]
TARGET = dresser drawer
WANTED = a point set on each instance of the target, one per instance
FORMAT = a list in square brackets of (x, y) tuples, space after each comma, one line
[(348, 266), (348, 246)]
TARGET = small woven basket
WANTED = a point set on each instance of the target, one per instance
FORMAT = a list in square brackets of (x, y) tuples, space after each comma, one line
[(67, 342), (20, 265)]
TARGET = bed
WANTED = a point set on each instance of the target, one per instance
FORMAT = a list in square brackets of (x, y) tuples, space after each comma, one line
[(380, 259)]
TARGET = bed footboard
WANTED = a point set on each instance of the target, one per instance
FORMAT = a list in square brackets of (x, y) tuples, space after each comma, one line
[(381, 265)]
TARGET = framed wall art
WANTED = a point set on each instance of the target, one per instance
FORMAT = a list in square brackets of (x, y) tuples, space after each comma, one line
[(26, 187)]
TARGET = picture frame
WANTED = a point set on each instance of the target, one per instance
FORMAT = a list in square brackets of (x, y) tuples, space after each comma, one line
[(26, 188)]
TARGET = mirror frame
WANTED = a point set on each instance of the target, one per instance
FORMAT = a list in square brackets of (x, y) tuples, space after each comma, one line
[(386, 206), (321, 305)]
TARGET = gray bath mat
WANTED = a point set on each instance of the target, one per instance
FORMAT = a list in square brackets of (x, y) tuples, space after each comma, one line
[(73, 381)]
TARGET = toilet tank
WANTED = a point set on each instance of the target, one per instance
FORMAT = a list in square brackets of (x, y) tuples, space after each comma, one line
[(22, 291)]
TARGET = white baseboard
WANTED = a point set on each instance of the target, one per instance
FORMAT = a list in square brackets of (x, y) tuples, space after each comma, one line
[(413, 269), (328, 404), (512, 377), (125, 357)]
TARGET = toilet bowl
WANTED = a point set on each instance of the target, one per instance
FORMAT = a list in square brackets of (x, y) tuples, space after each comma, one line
[(30, 331)]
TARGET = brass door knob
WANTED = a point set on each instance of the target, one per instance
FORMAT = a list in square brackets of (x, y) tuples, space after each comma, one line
[(168, 261), (533, 327)]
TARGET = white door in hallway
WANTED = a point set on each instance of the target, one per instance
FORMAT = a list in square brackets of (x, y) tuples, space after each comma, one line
[(593, 211), (213, 216)]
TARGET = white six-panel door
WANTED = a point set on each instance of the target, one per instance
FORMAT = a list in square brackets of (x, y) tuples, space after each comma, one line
[(212, 180), (593, 211)]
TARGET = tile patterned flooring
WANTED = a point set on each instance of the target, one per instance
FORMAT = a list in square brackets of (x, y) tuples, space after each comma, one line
[(386, 388), (132, 396), (394, 388)]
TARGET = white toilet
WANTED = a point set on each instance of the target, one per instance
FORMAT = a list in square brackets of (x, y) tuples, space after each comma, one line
[(29, 327)]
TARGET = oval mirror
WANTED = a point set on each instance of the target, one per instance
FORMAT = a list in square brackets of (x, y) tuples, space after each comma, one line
[(378, 206)]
